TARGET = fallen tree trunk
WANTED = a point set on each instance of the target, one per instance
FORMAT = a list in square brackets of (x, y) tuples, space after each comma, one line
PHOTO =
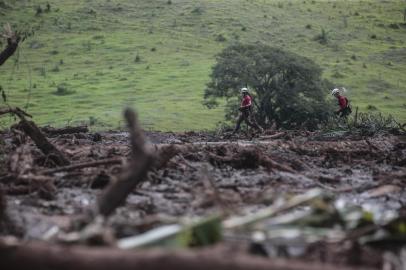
[(42, 143), (66, 130), (46, 256), (83, 165), (116, 194)]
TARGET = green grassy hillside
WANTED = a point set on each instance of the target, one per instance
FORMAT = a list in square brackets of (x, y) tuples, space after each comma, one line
[(91, 58)]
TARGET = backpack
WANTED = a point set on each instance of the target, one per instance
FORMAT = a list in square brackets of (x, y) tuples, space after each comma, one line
[(348, 109)]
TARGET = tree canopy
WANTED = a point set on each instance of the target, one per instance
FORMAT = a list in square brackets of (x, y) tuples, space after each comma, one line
[(288, 88)]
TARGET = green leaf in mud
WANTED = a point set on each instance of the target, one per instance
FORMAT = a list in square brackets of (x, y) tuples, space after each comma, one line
[(368, 217), (201, 233), (205, 233)]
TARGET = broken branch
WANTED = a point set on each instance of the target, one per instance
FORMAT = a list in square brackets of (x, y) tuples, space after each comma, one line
[(12, 43), (16, 111), (65, 130), (142, 162), (42, 143), (45, 256), (83, 165)]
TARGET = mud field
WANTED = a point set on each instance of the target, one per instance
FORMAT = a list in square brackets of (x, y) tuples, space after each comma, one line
[(196, 175)]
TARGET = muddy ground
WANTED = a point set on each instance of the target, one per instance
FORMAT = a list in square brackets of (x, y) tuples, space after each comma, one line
[(212, 173)]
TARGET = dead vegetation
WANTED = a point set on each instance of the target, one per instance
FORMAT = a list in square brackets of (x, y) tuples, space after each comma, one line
[(52, 191)]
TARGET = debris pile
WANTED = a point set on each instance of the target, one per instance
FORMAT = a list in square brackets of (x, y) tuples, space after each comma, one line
[(305, 196)]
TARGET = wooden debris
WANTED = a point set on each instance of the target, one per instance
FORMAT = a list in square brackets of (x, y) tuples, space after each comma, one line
[(31, 129), (273, 137), (13, 40), (136, 173), (47, 256), (16, 111), (66, 130), (83, 165), (249, 158)]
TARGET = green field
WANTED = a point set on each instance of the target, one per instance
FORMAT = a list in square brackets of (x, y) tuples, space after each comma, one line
[(88, 50)]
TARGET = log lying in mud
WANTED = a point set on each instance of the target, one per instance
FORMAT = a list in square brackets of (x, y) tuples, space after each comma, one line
[(72, 167), (142, 162), (3, 205), (66, 130), (249, 158), (45, 256), (31, 129)]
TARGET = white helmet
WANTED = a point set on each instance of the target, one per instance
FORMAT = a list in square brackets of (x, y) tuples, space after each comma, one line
[(335, 91), (244, 90)]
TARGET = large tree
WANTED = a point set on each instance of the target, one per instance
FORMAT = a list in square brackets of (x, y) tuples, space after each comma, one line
[(288, 88)]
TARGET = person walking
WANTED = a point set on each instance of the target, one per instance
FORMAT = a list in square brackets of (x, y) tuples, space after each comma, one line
[(246, 113), (343, 103)]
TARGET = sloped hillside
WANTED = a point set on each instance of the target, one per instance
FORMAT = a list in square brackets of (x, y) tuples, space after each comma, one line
[(90, 58)]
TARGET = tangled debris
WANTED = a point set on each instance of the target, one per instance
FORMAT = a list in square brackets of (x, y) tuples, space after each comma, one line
[(193, 189)]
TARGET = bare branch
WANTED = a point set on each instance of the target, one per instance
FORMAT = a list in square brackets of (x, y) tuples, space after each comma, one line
[(12, 43), (116, 194)]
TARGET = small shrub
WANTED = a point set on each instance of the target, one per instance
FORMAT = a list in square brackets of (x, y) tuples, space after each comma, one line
[(308, 26), (337, 75), (356, 13), (394, 26), (92, 121), (221, 38), (197, 11), (364, 65), (365, 124), (53, 52), (87, 46), (91, 11), (55, 68), (280, 5), (38, 10), (43, 71), (63, 90), (137, 58), (373, 36), (354, 57), (4, 5), (169, 2), (322, 38), (61, 62), (153, 49), (371, 108), (48, 7), (244, 28)]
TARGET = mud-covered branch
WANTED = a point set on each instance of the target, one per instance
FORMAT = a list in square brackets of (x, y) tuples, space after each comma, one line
[(142, 161), (31, 129), (43, 256), (15, 111)]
